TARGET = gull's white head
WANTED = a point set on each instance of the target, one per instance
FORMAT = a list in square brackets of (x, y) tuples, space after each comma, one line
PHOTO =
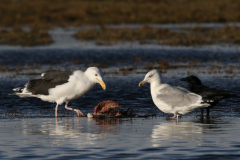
[(151, 76), (95, 75)]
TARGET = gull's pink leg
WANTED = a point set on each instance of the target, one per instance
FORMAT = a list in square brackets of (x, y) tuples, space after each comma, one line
[(79, 113), (172, 118), (56, 110)]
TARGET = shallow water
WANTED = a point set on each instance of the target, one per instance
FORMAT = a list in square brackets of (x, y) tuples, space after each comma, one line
[(137, 138), (28, 128)]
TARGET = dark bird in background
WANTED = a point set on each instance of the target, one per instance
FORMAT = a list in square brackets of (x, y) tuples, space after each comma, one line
[(209, 95)]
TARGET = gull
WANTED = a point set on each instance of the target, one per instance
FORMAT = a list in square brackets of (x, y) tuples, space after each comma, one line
[(62, 86), (171, 99)]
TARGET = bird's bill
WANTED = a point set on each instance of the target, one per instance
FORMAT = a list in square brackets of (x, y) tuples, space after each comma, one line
[(102, 83), (142, 83), (183, 79)]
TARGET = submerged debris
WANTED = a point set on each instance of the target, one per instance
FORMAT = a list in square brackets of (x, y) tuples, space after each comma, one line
[(108, 109)]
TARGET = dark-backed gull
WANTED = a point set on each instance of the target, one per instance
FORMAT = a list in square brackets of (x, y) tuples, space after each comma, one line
[(62, 86)]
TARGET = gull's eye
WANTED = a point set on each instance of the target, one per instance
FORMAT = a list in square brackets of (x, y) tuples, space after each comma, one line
[(150, 76), (95, 74)]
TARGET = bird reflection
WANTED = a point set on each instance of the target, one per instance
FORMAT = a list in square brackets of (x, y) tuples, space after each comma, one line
[(72, 128), (93, 126), (175, 131)]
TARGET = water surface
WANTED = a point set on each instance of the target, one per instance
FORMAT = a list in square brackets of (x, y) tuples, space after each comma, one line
[(138, 138), (28, 128)]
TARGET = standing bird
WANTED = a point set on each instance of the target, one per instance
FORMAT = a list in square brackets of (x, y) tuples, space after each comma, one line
[(171, 99), (210, 95), (62, 86)]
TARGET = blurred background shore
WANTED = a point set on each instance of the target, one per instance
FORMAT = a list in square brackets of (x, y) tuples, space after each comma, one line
[(108, 22)]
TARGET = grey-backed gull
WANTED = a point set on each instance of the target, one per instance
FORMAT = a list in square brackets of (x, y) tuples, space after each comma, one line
[(171, 99)]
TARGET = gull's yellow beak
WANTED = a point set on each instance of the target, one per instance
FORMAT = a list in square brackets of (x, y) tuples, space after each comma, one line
[(102, 83), (142, 83)]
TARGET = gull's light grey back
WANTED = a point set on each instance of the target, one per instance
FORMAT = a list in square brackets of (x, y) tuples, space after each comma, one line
[(177, 97)]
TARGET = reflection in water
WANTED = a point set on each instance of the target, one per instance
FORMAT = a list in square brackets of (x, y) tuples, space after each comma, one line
[(175, 131), (57, 136), (108, 121), (79, 130), (138, 138), (106, 125)]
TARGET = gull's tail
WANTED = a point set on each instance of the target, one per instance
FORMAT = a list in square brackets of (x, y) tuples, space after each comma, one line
[(18, 89), (19, 92)]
